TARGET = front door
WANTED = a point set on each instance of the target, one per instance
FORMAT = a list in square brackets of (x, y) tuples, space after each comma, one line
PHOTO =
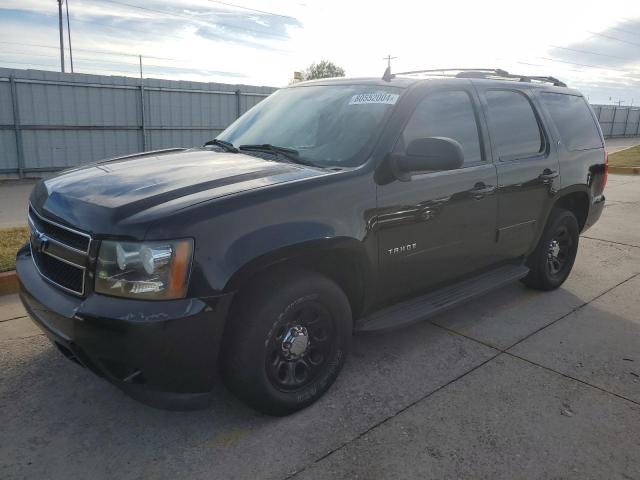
[(438, 226)]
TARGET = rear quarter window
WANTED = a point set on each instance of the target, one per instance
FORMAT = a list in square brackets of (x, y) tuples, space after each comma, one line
[(573, 119)]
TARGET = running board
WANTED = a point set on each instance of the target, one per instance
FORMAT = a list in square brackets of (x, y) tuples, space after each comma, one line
[(425, 306)]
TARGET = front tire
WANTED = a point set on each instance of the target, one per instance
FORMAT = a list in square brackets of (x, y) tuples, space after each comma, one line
[(287, 341), (551, 262)]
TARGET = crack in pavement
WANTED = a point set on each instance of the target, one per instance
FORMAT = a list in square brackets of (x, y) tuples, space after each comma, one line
[(565, 375), (390, 417), (575, 309), (14, 318), (610, 241), (493, 357)]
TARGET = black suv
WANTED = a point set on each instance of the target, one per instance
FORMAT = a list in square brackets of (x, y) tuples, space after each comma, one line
[(331, 207)]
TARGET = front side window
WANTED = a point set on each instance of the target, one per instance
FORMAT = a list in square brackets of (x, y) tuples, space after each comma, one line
[(514, 127), (574, 121), (327, 124), (446, 114)]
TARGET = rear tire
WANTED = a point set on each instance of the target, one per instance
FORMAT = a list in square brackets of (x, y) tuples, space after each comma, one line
[(552, 260), (287, 341)]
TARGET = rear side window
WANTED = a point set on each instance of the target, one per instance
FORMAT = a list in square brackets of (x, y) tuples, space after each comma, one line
[(446, 114), (573, 119), (514, 127)]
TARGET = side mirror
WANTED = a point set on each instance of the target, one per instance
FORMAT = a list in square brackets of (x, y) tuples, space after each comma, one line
[(427, 155)]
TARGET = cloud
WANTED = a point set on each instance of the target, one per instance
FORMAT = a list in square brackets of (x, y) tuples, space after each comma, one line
[(203, 40), (200, 36), (234, 24)]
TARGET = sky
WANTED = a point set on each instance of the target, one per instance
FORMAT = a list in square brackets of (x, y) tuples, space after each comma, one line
[(592, 46)]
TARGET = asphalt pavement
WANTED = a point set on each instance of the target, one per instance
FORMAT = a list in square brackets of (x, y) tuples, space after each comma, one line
[(518, 384)]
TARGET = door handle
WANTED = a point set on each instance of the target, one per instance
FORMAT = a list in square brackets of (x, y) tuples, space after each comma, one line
[(480, 190), (547, 175)]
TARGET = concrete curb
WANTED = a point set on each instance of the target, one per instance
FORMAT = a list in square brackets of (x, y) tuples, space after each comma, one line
[(8, 283), (627, 170)]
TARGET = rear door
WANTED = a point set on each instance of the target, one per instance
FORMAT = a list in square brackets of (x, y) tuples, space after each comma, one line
[(527, 165), (439, 225), (580, 144)]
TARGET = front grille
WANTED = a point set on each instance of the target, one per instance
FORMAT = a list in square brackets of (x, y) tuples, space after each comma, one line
[(59, 253), (59, 272), (64, 235)]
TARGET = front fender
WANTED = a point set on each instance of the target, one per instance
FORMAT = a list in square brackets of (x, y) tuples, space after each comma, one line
[(237, 235), (321, 246)]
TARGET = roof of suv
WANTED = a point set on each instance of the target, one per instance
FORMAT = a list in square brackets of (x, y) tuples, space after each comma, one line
[(407, 81)]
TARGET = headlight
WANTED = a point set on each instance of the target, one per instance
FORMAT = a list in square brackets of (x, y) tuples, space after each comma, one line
[(146, 270)]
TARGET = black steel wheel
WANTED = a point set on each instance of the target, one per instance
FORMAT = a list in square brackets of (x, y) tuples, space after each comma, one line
[(559, 251), (287, 340), (552, 260), (300, 346)]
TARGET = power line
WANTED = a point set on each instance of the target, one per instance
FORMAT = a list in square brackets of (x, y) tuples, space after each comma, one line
[(113, 52), (592, 53), (583, 65), (529, 64), (84, 59), (614, 38), (625, 31), (112, 71), (53, 66), (252, 9), (98, 61), (104, 52)]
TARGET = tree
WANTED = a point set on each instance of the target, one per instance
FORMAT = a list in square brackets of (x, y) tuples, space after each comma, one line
[(324, 69)]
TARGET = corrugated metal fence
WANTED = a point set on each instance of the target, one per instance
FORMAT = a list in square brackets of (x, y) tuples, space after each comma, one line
[(50, 120), (618, 121)]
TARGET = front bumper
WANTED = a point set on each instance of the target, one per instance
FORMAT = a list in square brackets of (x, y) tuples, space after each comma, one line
[(162, 353)]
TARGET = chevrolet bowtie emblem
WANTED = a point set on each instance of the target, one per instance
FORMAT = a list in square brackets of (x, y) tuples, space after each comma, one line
[(39, 241)]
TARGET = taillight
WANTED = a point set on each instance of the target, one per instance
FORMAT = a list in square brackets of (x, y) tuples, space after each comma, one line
[(606, 168)]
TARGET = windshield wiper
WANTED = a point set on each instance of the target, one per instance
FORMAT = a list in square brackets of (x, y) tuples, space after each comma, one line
[(227, 146), (289, 153)]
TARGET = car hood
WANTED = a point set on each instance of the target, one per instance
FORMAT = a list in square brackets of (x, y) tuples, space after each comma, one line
[(105, 197)]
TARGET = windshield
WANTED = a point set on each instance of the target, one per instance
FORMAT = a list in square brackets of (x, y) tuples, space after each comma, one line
[(333, 125)]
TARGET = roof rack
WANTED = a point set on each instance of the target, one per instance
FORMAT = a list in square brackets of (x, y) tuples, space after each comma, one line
[(488, 73)]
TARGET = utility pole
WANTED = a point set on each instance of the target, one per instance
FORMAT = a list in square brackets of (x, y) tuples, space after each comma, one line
[(66, 3), (61, 36), (388, 58), (387, 73)]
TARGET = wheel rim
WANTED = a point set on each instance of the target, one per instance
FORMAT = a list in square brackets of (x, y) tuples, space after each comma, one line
[(299, 346), (559, 251)]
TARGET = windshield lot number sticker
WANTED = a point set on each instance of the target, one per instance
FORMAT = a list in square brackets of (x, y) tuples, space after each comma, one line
[(379, 97)]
